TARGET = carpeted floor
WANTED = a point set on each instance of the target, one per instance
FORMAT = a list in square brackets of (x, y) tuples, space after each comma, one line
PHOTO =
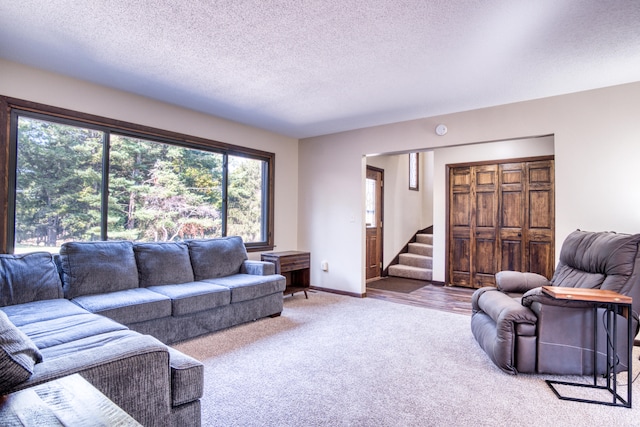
[(341, 361), (396, 284)]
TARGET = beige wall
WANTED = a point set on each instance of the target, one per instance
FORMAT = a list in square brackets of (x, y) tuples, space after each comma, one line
[(597, 152), (320, 181), (39, 86)]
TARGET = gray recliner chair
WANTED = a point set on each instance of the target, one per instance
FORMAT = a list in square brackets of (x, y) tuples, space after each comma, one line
[(523, 330)]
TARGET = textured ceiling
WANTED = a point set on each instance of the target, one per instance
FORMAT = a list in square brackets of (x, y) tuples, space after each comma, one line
[(311, 67)]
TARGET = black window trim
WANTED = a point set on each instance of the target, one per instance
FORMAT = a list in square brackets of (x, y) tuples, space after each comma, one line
[(11, 108)]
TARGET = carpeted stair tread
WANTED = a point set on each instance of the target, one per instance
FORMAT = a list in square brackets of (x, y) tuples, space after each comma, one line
[(410, 272), (424, 238), (421, 249), (415, 260)]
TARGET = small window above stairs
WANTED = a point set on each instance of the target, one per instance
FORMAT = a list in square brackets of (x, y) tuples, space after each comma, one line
[(417, 263)]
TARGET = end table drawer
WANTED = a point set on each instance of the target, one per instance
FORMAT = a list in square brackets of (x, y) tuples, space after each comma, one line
[(295, 262)]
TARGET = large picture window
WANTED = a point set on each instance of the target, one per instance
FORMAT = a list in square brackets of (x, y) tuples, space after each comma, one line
[(76, 180)]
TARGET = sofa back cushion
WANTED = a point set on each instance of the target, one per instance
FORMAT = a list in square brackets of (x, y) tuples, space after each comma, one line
[(220, 257), (97, 267), (164, 263), (604, 260), (28, 277)]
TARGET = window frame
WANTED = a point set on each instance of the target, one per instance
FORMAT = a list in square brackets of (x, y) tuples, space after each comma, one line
[(414, 171), (11, 108)]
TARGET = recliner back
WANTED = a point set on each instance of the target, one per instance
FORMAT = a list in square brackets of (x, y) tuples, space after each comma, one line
[(603, 260)]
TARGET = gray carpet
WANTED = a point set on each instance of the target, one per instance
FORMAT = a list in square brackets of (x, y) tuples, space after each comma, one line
[(341, 361)]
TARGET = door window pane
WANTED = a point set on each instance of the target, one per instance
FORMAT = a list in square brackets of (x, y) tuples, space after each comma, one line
[(370, 202), (58, 177)]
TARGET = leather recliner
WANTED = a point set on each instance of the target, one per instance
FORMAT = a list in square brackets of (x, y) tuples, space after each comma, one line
[(524, 330)]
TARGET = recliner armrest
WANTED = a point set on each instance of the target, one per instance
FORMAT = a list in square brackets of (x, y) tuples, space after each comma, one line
[(502, 326), (501, 307), (516, 281)]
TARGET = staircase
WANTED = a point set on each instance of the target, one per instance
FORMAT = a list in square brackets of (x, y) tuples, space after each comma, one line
[(417, 263)]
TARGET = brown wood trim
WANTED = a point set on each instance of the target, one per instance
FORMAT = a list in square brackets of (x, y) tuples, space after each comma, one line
[(121, 125), (447, 224), (7, 104), (499, 162), (381, 172), (335, 291), (417, 171), (5, 127)]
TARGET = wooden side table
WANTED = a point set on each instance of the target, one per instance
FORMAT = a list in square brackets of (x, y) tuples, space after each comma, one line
[(67, 401), (294, 266), (614, 304)]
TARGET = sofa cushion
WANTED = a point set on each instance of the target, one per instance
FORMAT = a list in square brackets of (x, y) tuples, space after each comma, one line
[(212, 258), (164, 263), (92, 342), (128, 306), (97, 267), (194, 296), (49, 333), (246, 286), (18, 355), (39, 311), (28, 277)]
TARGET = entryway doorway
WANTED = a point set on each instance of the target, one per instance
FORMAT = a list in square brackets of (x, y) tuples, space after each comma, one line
[(374, 221)]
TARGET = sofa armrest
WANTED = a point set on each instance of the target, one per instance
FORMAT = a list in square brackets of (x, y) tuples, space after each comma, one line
[(258, 268), (130, 369), (516, 281)]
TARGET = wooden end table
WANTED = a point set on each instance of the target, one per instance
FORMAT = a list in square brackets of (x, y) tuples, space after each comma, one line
[(614, 303), (294, 266)]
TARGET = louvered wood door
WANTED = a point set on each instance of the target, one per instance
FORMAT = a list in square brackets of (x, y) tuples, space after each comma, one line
[(501, 217)]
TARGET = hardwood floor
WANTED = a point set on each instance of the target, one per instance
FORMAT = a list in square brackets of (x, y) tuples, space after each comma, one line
[(447, 298)]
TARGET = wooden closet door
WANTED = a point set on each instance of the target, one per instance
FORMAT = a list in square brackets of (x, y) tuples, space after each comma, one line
[(540, 218), (501, 217), (473, 225), (484, 236), (512, 216), (460, 226)]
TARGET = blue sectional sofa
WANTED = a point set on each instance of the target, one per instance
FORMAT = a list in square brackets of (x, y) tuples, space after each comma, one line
[(107, 309)]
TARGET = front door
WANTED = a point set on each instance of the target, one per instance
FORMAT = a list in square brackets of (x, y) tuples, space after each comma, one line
[(374, 208)]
